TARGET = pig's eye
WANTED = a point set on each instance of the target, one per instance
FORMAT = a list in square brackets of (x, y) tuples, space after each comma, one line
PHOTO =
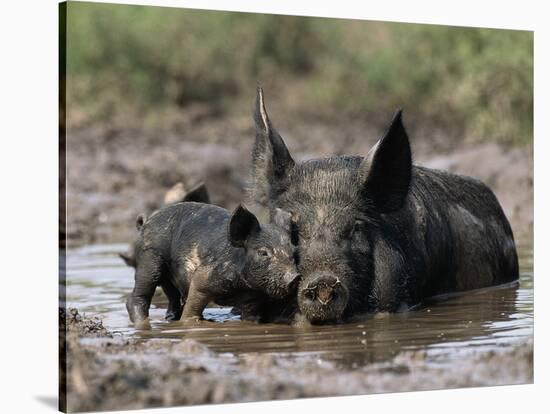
[(262, 253)]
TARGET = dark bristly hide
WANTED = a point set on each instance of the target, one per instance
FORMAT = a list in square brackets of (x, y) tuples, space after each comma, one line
[(199, 194), (200, 253), (378, 233)]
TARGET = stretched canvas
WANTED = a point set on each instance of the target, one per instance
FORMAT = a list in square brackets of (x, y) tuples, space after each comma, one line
[(260, 207)]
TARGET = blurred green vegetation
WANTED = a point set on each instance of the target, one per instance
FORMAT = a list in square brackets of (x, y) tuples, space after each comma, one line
[(479, 80)]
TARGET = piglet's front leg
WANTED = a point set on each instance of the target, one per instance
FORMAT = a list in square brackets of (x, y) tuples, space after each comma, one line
[(197, 298)]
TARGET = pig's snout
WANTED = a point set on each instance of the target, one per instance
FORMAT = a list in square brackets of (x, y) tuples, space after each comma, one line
[(323, 297), (282, 285), (323, 289)]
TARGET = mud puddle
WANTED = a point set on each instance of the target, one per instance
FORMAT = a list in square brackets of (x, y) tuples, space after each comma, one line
[(446, 330)]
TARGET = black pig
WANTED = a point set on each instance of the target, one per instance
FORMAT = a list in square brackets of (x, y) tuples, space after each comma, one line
[(376, 233), (202, 253)]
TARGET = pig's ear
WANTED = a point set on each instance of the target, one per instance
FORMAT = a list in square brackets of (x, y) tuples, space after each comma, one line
[(282, 219), (242, 225), (198, 194), (386, 170), (271, 160)]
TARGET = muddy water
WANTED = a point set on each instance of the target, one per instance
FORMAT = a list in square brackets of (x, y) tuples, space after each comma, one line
[(98, 281)]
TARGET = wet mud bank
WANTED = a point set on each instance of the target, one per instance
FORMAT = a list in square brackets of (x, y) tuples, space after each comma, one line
[(106, 371)]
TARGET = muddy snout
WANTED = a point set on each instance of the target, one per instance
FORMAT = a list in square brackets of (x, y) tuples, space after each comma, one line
[(324, 289), (322, 297), (282, 285)]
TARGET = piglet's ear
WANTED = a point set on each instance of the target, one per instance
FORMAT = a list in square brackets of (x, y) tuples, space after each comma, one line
[(387, 168), (198, 194), (242, 225)]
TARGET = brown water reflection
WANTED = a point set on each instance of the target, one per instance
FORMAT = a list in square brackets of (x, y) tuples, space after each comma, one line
[(97, 282)]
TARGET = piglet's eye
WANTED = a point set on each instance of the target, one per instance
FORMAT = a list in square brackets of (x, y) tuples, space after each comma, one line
[(263, 253)]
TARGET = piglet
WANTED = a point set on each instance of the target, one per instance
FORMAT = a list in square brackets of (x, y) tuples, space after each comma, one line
[(200, 253)]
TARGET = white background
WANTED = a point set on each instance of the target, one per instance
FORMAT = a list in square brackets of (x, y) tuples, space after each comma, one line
[(28, 220)]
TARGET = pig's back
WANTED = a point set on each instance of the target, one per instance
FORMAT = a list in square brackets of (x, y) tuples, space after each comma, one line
[(182, 225), (464, 218), (200, 224)]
